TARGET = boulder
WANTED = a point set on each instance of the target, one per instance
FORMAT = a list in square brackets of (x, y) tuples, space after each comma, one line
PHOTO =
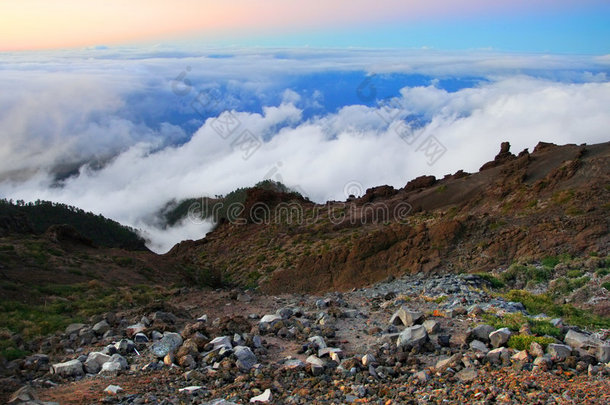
[(445, 363), (414, 336), (245, 358), (521, 357), (432, 327), (270, 319), (481, 333), (101, 327), (479, 346), (72, 368), (558, 352), (603, 353), (499, 355), (221, 341), (95, 361), (406, 317), (578, 340), (169, 343), (368, 359), (499, 337), (74, 328), (317, 341), (133, 330)]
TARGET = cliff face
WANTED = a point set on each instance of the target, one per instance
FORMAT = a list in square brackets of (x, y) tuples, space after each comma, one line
[(552, 201)]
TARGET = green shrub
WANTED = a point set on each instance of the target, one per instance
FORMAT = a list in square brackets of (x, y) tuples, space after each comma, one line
[(606, 285), (516, 320), (543, 303), (494, 281), (574, 273), (523, 342)]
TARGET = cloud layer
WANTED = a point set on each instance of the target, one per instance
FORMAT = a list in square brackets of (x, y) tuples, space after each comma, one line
[(266, 126)]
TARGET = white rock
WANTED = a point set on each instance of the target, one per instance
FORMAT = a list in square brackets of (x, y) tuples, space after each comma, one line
[(113, 389), (264, 397), (72, 368)]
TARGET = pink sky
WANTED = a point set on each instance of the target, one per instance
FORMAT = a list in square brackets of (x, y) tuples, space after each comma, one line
[(40, 24)]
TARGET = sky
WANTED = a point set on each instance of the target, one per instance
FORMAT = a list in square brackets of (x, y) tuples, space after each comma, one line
[(123, 108), (571, 26)]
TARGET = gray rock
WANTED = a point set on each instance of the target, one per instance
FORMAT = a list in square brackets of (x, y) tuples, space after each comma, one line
[(479, 346), (432, 326), (329, 351), (164, 317), (257, 341), (293, 363), (169, 343), (285, 313), (245, 358), (318, 342), (406, 317), (467, 374), (482, 332), (603, 353), (543, 362), (499, 355), (412, 337), (368, 359), (578, 340), (72, 368), (74, 328), (499, 337), (445, 363), (94, 362), (115, 365), (558, 352), (124, 346), (221, 341), (422, 376), (140, 338), (101, 327)]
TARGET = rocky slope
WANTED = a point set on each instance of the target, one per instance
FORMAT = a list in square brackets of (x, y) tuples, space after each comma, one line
[(548, 202), (411, 340)]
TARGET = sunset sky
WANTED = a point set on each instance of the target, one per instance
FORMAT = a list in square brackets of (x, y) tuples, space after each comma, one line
[(518, 25)]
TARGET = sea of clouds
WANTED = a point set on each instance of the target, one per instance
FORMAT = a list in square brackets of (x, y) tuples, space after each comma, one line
[(123, 131)]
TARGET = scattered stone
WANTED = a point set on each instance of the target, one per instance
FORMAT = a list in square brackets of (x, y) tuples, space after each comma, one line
[(558, 352), (140, 338), (536, 349), (479, 346), (133, 330), (406, 317), (318, 342), (482, 332), (521, 357), (432, 327), (578, 340), (368, 359), (113, 390), (95, 361), (422, 376), (603, 353), (74, 328), (264, 397), (115, 365), (72, 368), (270, 319), (499, 337), (191, 389), (414, 336), (245, 358), (169, 343), (499, 355), (221, 342), (101, 327), (467, 374), (447, 362)]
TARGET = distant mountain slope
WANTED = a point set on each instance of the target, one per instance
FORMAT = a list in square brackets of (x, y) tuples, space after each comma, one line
[(548, 202), (37, 217)]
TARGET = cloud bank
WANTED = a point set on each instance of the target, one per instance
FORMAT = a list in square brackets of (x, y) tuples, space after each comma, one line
[(212, 131)]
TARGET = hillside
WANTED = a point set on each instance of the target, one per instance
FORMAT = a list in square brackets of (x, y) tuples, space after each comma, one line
[(528, 207), (37, 217)]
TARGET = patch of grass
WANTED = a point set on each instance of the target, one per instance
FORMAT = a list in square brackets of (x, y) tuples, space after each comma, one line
[(602, 272), (441, 188), (516, 320), (574, 273), (494, 281), (440, 299), (518, 273), (69, 304), (498, 224), (606, 285), (123, 261), (523, 342), (563, 286), (543, 303)]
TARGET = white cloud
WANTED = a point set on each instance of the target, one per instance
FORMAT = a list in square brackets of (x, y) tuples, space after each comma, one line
[(318, 155)]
